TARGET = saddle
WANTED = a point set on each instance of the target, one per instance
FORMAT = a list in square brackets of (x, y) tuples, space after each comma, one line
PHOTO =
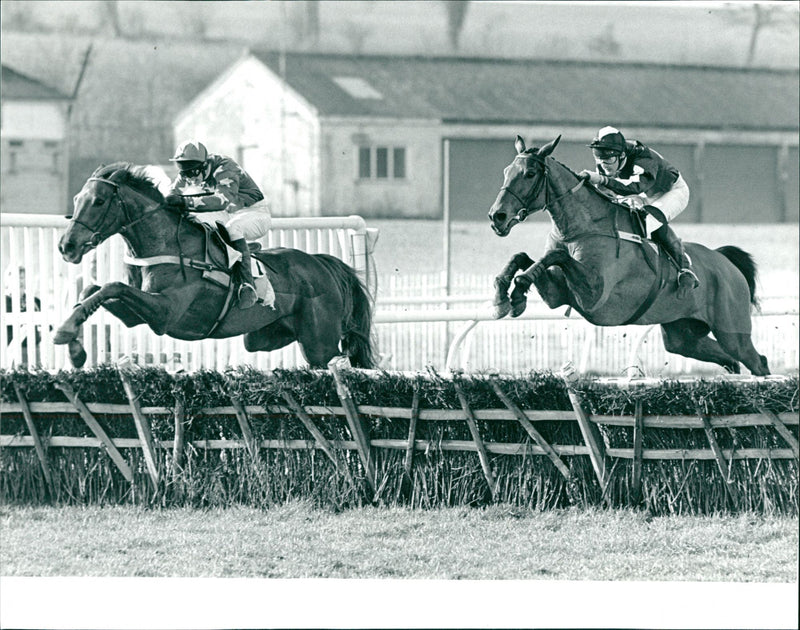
[(217, 264)]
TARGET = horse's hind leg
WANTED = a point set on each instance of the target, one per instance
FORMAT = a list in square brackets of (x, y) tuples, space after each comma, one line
[(273, 337), (319, 329), (501, 303), (740, 345), (689, 338)]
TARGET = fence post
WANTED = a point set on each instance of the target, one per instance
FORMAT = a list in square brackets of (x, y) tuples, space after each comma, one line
[(244, 425), (781, 428), (722, 463), (531, 430), (638, 439), (353, 421), (101, 435), (142, 428), (37, 443), (412, 434), (483, 456), (323, 442), (178, 443), (591, 436)]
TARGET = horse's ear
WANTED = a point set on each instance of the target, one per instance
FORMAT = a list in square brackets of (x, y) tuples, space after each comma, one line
[(519, 143), (548, 148)]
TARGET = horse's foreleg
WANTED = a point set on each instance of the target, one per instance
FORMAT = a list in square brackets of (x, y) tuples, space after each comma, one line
[(575, 279), (151, 307), (501, 303)]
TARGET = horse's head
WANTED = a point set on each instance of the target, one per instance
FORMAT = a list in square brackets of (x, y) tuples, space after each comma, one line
[(524, 188), (104, 207)]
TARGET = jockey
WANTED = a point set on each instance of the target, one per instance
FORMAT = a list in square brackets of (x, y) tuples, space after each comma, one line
[(641, 178), (234, 200)]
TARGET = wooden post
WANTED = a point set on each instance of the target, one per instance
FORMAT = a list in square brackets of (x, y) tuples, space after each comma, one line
[(354, 422), (638, 438), (591, 436), (483, 456), (142, 429), (412, 434), (178, 442), (722, 463), (244, 425), (321, 440), (101, 435), (781, 428), (531, 430), (37, 443)]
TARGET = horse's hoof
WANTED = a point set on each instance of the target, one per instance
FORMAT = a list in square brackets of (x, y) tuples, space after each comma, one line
[(77, 355), (65, 334), (501, 310), (518, 307)]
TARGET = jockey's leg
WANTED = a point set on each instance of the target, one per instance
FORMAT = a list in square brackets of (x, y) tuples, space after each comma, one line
[(247, 289), (687, 279), (247, 224)]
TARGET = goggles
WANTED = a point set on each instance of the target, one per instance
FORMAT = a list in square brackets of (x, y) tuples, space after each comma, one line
[(193, 171)]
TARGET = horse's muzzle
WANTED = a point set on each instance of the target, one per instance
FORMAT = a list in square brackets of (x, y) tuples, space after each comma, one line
[(501, 223)]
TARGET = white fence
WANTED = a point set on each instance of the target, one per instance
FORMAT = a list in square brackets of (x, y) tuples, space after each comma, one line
[(32, 266), (415, 322)]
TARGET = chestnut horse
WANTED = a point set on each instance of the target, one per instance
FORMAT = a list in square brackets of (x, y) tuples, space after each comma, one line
[(595, 262), (319, 301)]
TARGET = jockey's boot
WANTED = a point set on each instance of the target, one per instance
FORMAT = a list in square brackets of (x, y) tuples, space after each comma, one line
[(247, 290), (687, 279)]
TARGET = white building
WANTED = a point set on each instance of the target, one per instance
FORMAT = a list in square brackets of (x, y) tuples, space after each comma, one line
[(380, 136), (34, 134)]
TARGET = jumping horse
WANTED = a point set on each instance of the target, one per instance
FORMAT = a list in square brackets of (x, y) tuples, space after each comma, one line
[(597, 263), (186, 291)]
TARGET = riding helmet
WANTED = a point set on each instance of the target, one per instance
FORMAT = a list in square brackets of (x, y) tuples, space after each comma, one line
[(609, 141), (190, 151)]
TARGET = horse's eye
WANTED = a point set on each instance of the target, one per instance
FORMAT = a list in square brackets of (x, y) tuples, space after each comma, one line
[(529, 174), (98, 201)]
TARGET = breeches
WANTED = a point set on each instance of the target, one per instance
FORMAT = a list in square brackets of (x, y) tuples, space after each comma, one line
[(671, 203), (249, 223)]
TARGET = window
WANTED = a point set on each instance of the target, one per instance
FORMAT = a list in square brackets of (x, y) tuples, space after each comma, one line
[(381, 162)]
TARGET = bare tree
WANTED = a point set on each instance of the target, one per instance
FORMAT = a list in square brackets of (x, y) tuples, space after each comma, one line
[(764, 17), (111, 10), (456, 13)]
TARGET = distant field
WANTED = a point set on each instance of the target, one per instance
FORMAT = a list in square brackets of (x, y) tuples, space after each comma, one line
[(409, 247)]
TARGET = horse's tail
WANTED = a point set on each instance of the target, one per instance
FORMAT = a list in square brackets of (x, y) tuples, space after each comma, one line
[(357, 338), (745, 264)]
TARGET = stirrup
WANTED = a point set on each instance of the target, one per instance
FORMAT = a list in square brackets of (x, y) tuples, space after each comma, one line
[(247, 295), (688, 272)]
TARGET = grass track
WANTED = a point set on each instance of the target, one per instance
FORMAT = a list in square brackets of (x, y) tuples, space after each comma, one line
[(297, 541)]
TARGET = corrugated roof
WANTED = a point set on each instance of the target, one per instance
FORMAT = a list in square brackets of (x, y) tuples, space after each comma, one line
[(478, 90), (15, 85)]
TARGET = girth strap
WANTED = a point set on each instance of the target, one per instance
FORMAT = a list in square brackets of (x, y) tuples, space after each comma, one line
[(655, 288), (170, 260)]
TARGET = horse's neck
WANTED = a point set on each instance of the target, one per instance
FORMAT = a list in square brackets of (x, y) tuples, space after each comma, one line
[(575, 212), (155, 234)]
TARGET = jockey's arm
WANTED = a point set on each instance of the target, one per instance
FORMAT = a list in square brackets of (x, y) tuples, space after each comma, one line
[(640, 181), (224, 197)]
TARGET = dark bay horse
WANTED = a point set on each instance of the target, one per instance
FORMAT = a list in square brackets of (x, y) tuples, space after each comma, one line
[(595, 263), (320, 301)]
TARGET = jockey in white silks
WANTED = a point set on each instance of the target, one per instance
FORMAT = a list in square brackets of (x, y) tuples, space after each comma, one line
[(235, 201), (641, 178)]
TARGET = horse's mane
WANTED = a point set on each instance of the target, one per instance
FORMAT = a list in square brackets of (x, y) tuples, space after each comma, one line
[(588, 185), (127, 174)]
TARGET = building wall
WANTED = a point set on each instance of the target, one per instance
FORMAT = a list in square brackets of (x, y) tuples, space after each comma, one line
[(34, 162), (345, 191), (250, 116), (733, 178)]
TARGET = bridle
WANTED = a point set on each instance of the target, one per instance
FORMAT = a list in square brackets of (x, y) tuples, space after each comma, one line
[(543, 181), (99, 234)]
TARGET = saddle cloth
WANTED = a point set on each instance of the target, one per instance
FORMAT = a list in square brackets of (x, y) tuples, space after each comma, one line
[(263, 285)]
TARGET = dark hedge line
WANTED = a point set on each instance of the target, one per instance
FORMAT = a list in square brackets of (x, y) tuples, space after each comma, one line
[(536, 391)]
